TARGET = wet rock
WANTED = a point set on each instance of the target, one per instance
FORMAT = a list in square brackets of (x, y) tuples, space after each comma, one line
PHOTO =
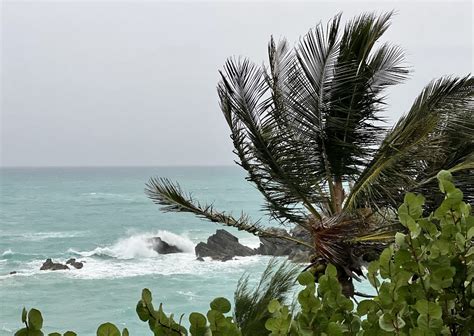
[(162, 247), (200, 259), (74, 263), (13, 272), (49, 265), (222, 246)]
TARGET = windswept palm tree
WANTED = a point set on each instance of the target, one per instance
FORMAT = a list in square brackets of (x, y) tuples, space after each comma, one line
[(308, 129)]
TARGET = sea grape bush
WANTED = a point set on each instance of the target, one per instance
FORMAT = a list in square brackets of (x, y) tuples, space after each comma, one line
[(423, 285)]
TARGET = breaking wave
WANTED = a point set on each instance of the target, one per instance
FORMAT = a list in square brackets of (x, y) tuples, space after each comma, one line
[(139, 246)]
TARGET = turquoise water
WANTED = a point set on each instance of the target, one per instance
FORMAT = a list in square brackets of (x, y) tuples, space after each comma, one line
[(101, 216)]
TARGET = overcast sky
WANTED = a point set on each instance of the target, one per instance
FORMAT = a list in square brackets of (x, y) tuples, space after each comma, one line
[(133, 83)]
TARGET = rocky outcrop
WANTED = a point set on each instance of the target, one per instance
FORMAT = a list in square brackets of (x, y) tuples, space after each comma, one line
[(162, 247), (74, 263), (282, 247), (222, 246), (49, 265), (275, 246)]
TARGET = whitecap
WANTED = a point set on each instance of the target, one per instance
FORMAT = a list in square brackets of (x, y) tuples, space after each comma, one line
[(38, 236), (8, 252), (139, 246)]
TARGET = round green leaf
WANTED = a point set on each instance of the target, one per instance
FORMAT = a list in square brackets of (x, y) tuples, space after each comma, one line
[(57, 334), (221, 304), (108, 329), (70, 333), (35, 320), (386, 323), (125, 332), (197, 319), (142, 311), (274, 306), (306, 278)]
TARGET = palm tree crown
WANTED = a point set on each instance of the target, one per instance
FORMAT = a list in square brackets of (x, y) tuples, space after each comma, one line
[(308, 130)]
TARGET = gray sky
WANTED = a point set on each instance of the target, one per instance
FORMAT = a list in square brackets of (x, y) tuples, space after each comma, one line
[(133, 83)]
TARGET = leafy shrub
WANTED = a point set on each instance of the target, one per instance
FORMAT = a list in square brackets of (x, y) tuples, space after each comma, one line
[(423, 284)]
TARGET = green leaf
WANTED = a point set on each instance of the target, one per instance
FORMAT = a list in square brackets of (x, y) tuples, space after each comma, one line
[(386, 322), (331, 271), (35, 320), (142, 311), (24, 315), (365, 306), (274, 306), (22, 332), (306, 278), (146, 296), (70, 333), (108, 329), (125, 332), (197, 319), (221, 304), (58, 334), (470, 233), (429, 308)]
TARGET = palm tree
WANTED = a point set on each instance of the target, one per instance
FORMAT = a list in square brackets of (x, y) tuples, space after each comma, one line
[(308, 130)]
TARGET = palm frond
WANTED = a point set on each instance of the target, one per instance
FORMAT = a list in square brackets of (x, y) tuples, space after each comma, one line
[(173, 199), (251, 305), (361, 74), (437, 133), (262, 148)]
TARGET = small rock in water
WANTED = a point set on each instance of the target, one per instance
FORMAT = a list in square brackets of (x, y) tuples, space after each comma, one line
[(74, 263), (200, 259), (49, 265), (13, 272), (162, 247)]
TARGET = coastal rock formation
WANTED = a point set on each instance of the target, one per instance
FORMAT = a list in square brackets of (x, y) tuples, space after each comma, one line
[(275, 246), (49, 265), (222, 246), (74, 263), (162, 247), (281, 247)]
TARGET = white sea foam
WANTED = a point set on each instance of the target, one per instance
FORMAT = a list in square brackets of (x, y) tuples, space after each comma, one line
[(139, 246), (6, 253), (98, 196), (165, 265), (38, 236), (175, 264)]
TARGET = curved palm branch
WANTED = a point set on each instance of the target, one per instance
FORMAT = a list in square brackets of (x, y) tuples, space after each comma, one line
[(437, 133), (172, 199)]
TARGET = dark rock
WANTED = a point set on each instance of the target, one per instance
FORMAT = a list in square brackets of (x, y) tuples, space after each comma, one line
[(282, 247), (275, 246), (49, 265), (162, 247), (74, 263), (200, 259), (13, 272), (223, 246)]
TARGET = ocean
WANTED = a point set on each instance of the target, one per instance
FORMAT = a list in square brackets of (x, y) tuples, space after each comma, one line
[(101, 216)]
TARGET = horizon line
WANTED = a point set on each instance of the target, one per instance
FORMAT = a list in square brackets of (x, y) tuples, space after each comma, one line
[(125, 166)]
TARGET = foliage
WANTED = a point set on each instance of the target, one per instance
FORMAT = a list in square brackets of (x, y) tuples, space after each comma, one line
[(423, 283), (250, 310), (308, 130)]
